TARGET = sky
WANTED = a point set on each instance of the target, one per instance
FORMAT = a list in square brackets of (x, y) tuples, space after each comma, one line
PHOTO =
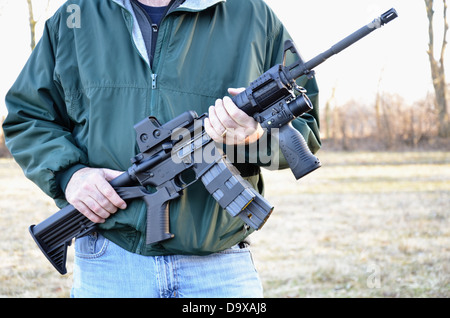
[(392, 59)]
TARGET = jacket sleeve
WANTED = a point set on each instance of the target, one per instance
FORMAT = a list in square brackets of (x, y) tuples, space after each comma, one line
[(308, 124), (37, 128)]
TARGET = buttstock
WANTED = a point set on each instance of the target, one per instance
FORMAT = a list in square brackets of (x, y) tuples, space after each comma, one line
[(55, 234)]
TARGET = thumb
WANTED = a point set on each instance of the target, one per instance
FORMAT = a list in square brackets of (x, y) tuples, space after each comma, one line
[(111, 174), (235, 91)]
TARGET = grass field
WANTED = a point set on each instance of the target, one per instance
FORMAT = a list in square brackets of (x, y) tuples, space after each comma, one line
[(363, 225)]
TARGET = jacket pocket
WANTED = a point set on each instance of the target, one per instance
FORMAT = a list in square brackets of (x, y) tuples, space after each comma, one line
[(75, 106)]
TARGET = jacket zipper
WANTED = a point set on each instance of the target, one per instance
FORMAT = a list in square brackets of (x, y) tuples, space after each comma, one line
[(154, 38), (155, 29), (154, 76)]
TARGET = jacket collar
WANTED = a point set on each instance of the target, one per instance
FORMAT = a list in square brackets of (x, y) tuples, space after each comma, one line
[(187, 5), (198, 5)]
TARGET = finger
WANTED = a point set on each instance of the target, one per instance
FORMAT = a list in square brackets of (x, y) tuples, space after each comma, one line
[(215, 122), (111, 174), (114, 201), (235, 91), (95, 206), (224, 117), (83, 209), (211, 131), (237, 115), (104, 202)]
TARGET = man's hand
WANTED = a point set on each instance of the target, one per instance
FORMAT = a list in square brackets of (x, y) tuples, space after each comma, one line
[(90, 193), (230, 125)]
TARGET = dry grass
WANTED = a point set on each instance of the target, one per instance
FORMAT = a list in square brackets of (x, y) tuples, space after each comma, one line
[(24, 271), (364, 225)]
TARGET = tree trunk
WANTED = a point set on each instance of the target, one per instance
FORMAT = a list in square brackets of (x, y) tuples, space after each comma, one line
[(438, 71), (32, 25), (328, 131)]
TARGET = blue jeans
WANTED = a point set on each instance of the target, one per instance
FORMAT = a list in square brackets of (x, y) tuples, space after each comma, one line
[(103, 269)]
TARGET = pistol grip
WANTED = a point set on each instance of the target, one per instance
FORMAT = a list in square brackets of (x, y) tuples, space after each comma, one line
[(296, 151), (157, 210), (158, 228)]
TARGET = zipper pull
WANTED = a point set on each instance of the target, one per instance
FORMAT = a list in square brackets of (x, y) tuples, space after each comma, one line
[(154, 28), (154, 76)]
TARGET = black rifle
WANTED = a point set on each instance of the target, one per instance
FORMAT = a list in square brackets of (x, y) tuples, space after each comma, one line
[(272, 101), (172, 157)]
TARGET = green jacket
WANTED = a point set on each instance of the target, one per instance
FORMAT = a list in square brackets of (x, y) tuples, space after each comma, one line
[(81, 92)]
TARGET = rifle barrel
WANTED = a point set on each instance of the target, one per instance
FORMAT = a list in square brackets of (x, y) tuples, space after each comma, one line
[(306, 68)]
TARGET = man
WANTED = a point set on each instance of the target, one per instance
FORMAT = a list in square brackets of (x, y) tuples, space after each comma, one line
[(70, 119)]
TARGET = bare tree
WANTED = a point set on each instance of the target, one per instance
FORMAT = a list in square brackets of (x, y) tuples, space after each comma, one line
[(378, 102), (327, 114), (437, 69), (33, 22)]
